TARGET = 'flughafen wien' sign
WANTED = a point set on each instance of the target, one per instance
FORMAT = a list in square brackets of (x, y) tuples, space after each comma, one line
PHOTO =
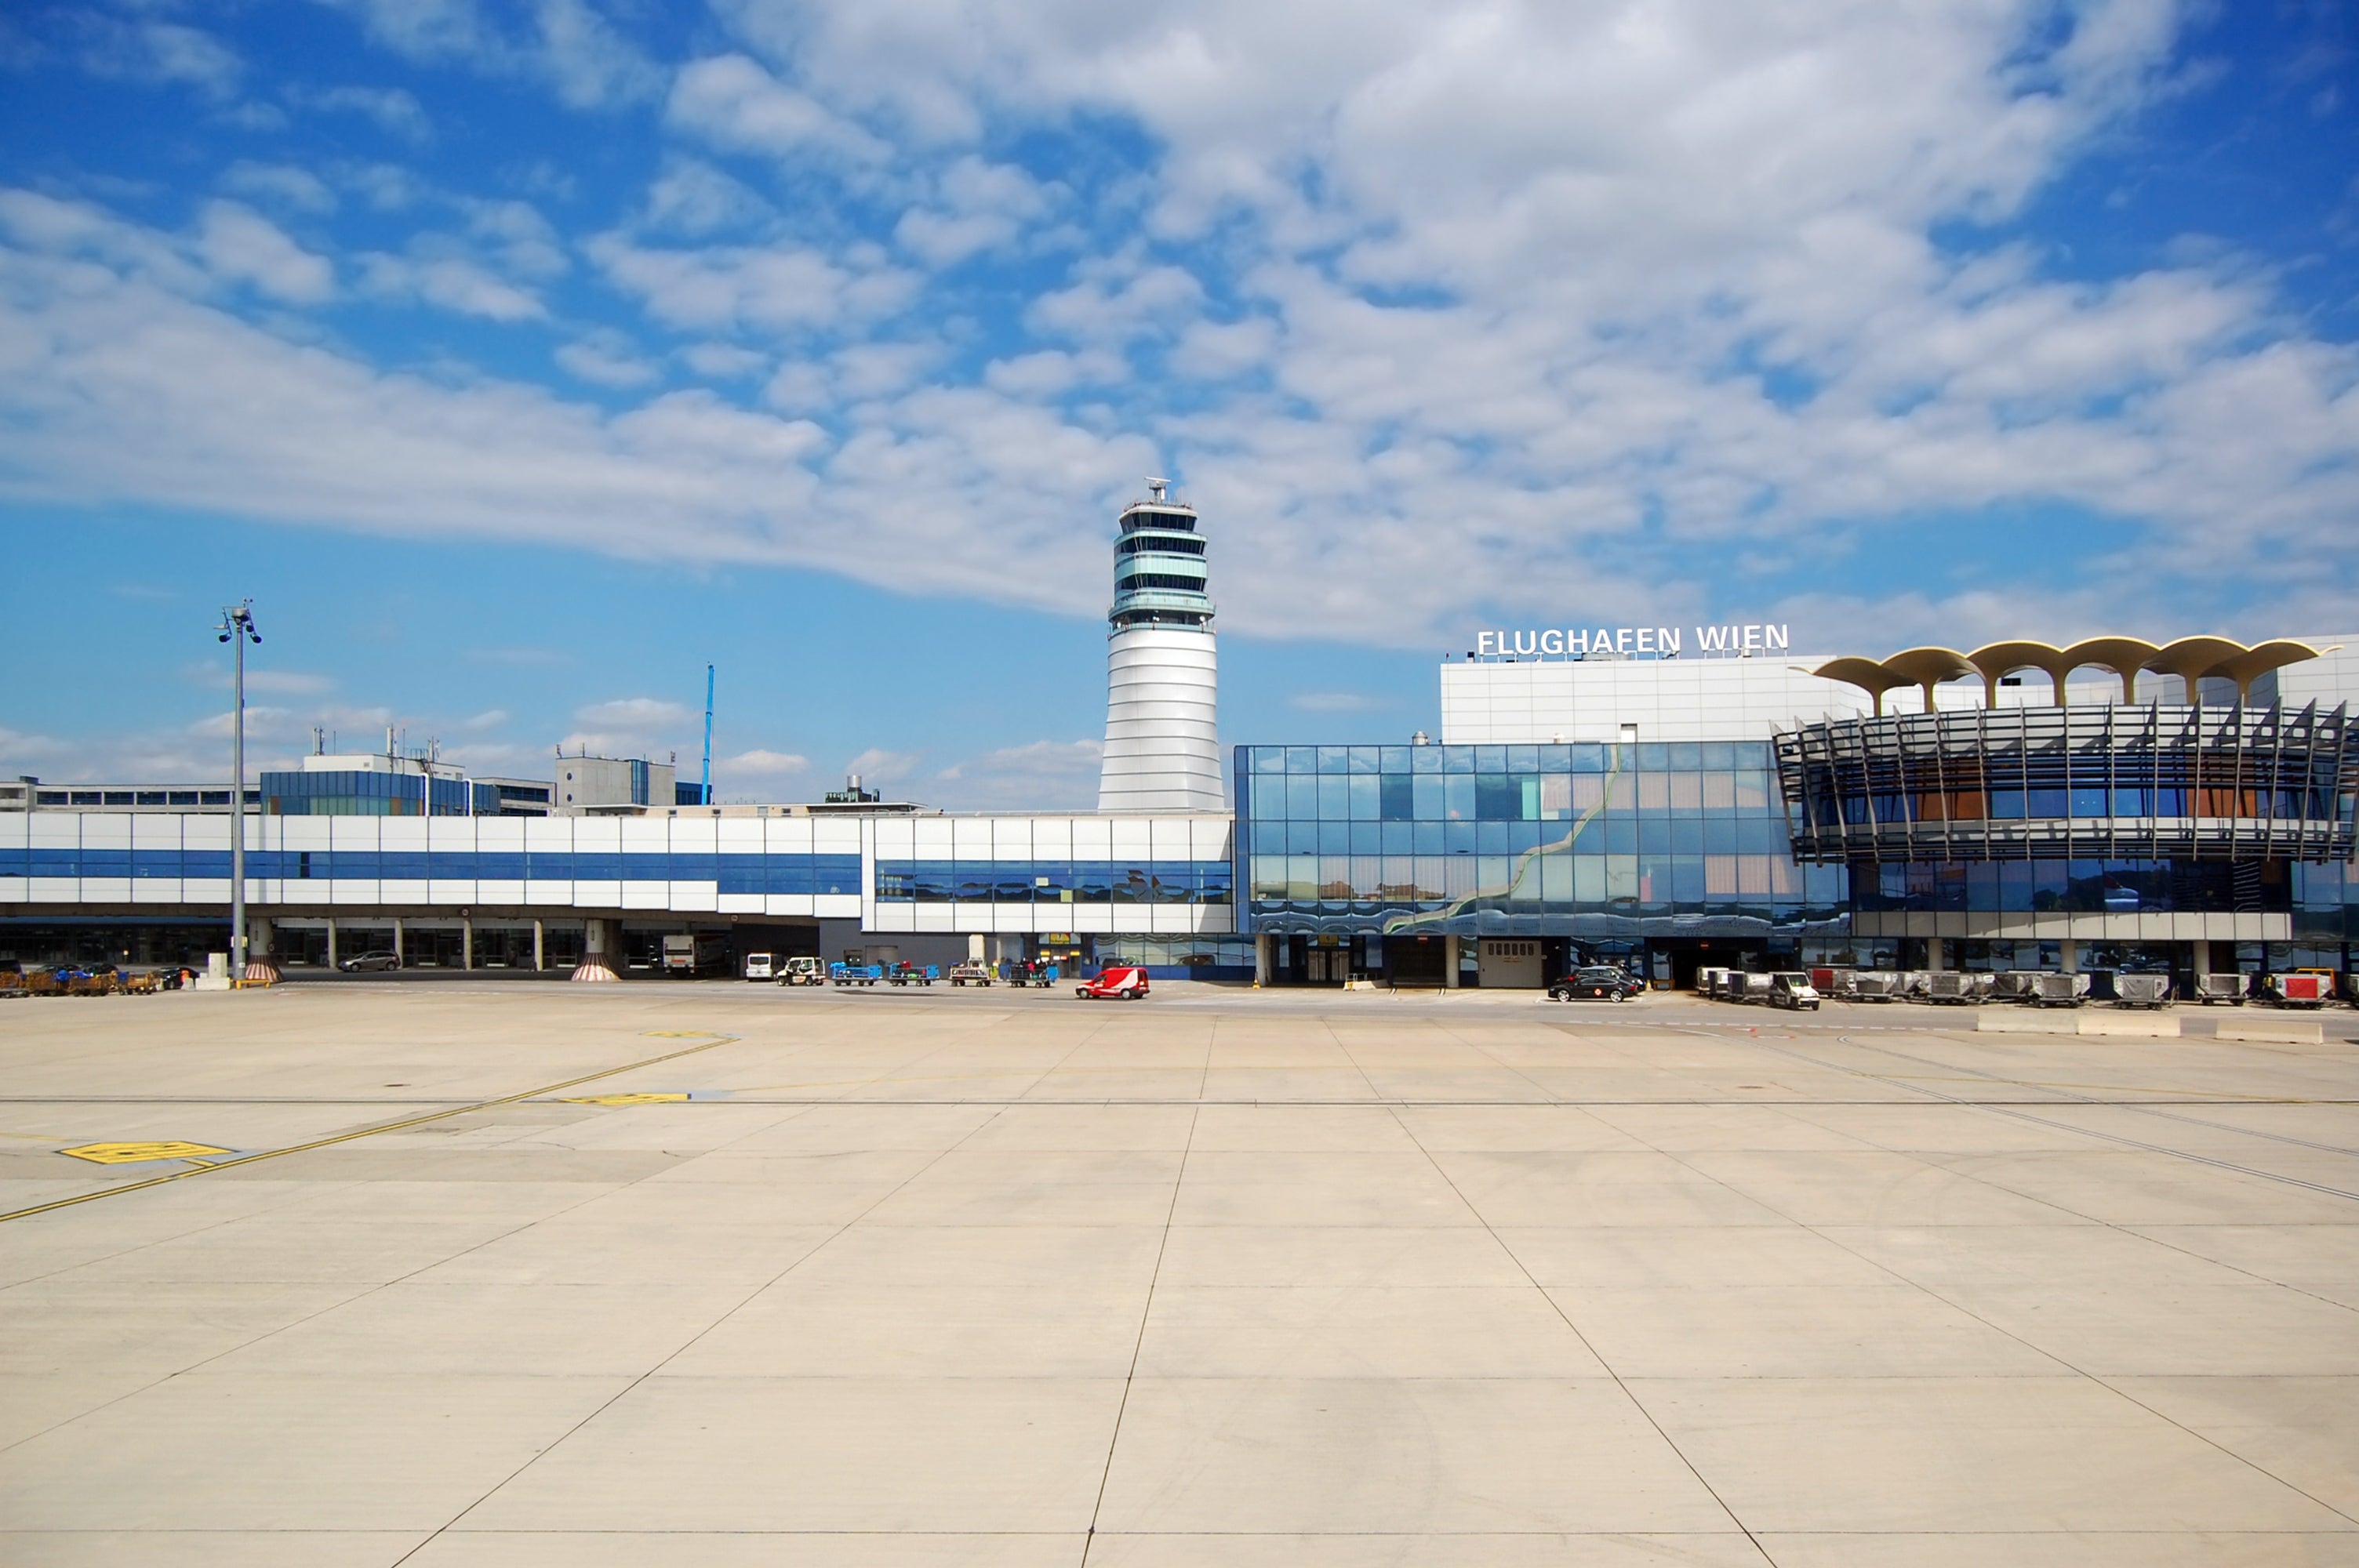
[(1625, 641)]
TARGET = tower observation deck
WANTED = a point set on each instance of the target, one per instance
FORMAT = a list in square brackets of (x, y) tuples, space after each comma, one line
[(1162, 670)]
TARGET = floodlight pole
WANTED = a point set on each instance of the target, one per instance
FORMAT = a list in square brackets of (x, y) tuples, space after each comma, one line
[(238, 628)]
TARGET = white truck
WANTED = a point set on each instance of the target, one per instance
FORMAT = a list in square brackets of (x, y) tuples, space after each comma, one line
[(688, 954)]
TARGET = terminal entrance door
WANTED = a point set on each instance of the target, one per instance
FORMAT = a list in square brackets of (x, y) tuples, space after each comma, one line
[(1327, 966)]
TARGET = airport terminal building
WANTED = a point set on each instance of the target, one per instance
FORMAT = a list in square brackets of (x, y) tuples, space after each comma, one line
[(1667, 798)]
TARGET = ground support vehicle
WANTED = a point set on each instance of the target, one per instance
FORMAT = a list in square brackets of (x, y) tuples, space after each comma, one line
[(2229, 988), (2058, 990), (1956, 988), (1116, 982), (686, 954), (1833, 982), (1032, 972), (2301, 987), (360, 963), (12, 983), (1791, 988), (1597, 982), (143, 985), (854, 974), (1884, 985), (1742, 987), (913, 974), (1708, 981), (802, 969), (974, 972), (2012, 985), (2142, 991), (758, 967)]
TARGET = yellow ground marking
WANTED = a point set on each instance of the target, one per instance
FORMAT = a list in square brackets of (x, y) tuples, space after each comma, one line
[(202, 1170), (140, 1153), (682, 1034), (624, 1100)]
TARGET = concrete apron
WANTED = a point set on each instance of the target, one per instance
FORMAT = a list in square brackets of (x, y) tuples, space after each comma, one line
[(2146, 1025)]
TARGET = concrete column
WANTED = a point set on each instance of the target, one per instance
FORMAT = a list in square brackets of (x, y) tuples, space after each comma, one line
[(1450, 962), (975, 946), (2068, 951), (1262, 941), (466, 942), (602, 948), (1937, 955), (396, 940), (539, 947), (2202, 945), (261, 963), (332, 942)]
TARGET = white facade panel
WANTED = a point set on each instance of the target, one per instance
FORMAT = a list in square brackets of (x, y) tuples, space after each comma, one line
[(970, 837), (895, 917), (833, 836), (540, 892), (1011, 837), (503, 891), (700, 898), (405, 890), (1092, 917), (598, 895), (1540, 702), (929, 837), (152, 889), (1093, 839), (63, 830), (935, 917), (104, 890), (446, 890), (837, 906), (67, 890), (788, 835), (1053, 838), (1208, 839), (1130, 838), (1162, 748), (105, 830), (646, 896)]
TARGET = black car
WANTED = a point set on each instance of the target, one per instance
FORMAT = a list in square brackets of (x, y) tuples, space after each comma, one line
[(1599, 982)]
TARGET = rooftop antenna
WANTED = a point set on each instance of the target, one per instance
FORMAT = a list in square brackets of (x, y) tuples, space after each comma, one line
[(319, 742), (1155, 487), (705, 785)]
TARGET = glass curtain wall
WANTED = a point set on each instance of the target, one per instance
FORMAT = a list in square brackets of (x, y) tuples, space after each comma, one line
[(1644, 839)]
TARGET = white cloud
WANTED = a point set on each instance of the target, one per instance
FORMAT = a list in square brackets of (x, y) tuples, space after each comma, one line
[(396, 110), (761, 764), (774, 290), (733, 103), (454, 283), (284, 184), (586, 59), (240, 244), (149, 49), (634, 712), (723, 362), (1041, 775), (877, 764), (607, 359), (692, 198)]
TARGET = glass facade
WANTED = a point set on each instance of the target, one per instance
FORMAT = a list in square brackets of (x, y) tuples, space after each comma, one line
[(359, 794), (733, 873), (1598, 841), (1054, 881)]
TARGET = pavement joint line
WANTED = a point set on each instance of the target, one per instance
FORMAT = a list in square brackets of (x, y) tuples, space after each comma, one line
[(1566, 1318), (1820, 1231), (55, 1204), (2002, 1109)]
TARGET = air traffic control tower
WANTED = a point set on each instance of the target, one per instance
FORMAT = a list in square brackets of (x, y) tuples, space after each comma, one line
[(1162, 668)]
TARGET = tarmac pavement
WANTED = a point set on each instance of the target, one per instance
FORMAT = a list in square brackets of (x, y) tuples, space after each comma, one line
[(726, 1274)]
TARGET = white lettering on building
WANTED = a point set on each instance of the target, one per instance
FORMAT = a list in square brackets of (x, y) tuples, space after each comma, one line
[(1742, 640)]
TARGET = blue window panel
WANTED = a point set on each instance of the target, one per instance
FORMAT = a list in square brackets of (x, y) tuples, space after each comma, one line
[(1269, 759), (1396, 797), (1425, 759), (165, 863), (646, 866), (1334, 797), (1301, 758), (835, 874), (742, 873), (2047, 802), (402, 865), (2087, 802), (205, 863), (1458, 796), (595, 866), (15, 862), (501, 866)]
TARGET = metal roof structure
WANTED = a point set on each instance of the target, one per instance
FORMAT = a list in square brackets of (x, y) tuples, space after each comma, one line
[(2192, 659)]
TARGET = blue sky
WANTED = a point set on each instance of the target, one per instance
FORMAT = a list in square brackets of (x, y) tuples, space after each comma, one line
[(518, 359)]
